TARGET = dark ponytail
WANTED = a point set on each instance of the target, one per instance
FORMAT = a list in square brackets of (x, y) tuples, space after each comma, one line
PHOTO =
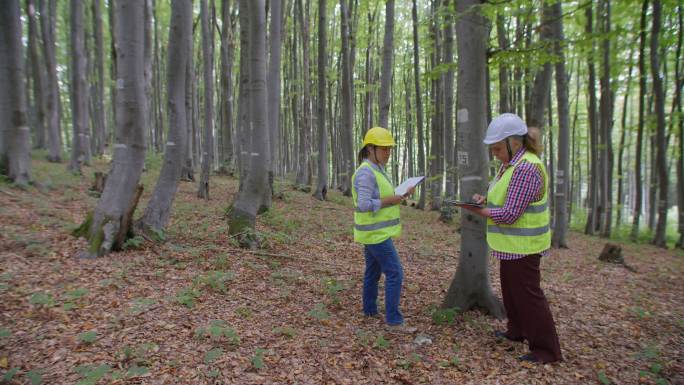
[(363, 154)]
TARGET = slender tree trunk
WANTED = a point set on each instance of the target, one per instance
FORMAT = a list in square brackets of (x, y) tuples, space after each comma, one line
[(504, 104), (110, 224), (661, 143), (593, 211), (15, 135), (470, 285), (368, 105), (188, 173), (98, 104), (437, 141), (679, 76), (208, 72), (242, 217), (38, 76), (148, 73), (419, 104), (562, 181), (227, 55), (275, 46), (638, 196), (158, 210), (346, 128), (621, 148), (606, 124), (322, 186), (387, 55), (112, 68), (538, 102), (79, 92), (54, 140), (303, 174), (450, 165)]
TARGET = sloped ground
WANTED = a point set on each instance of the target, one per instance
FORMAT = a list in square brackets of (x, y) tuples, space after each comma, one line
[(199, 310)]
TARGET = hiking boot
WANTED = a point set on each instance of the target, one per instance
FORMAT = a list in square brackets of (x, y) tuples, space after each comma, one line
[(401, 329)]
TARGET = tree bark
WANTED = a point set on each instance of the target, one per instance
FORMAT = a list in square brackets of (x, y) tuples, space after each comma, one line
[(99, 120), (80, 144), (304, 163), (419, 105), (387, 54), (158, 210), (562, 181), (621, 148), (538, 102), (54, 140), (470, 286), (606, 124), (208, 74), (275, 47), (346, 128), (502, 38), (110, 224), (679, 76), (593, 211), (15, 135), (450, 165), (322, 185), (661, 143), (37, 75), (227, 156), (242, 218)]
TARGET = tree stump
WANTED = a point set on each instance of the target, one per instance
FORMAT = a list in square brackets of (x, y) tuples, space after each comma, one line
[(99, 182), (612, 253)]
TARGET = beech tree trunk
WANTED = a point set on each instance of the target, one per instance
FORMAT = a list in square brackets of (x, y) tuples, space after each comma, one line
[(99, 120), (48, 10), (387, 55), (419, 105), (158, 210), (538, 101), (470, 286), (275, 47), (593, 202), (304, 164), (15, 135), (346, 129), (606, 124), (450, 165), (37, 77), (208, 72), (563, 170), (80, 144), (110, 224), (242, 218), (227, 158), (661, 142), (322, 185)]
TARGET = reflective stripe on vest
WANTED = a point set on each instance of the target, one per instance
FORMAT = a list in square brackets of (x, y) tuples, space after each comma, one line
[(530, 234), (375, 227)]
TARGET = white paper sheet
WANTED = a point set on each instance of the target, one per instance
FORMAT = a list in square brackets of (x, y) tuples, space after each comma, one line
[(407, 184)]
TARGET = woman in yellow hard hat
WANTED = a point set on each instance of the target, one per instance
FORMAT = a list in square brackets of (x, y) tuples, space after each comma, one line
[(519, 234), (376, 222)]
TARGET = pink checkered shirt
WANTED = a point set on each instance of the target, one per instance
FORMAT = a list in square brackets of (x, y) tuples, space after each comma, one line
[(525, 187)]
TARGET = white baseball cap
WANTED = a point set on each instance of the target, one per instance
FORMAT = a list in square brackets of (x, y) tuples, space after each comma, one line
[(503, 126)]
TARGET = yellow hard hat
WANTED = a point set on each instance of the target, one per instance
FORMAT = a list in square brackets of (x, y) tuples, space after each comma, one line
[(379, 136)]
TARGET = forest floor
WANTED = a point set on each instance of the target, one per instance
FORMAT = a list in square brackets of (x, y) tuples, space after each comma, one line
[(199, 310)]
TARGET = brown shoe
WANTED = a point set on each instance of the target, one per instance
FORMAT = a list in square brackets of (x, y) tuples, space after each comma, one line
[(401, 329)]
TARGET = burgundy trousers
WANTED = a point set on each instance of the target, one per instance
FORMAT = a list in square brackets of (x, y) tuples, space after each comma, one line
[(527, 310)]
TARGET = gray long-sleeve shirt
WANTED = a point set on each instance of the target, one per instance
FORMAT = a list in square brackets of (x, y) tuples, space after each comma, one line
[(367, 190)]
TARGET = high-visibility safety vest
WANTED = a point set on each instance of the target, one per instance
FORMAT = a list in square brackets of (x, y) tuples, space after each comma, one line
[(531, 233), (374, 227)]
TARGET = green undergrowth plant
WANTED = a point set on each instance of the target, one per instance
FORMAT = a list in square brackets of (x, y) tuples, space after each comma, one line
[(444, 316), (215, 280), (218, 331), (187, 296)]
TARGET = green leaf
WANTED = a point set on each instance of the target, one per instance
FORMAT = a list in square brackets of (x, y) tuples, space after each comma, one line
[(77, 293), (603, 378), (4, 333), (212, 355), (319, 312), (135, 371), (88, 337), (381, 342), (35, 377), (42, 299), (68, 306), (258, 359), (92, 375), (213, 373), (7, 377), (656, 368)]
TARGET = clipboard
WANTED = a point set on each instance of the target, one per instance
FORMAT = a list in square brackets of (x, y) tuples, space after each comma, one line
[(463, 203)]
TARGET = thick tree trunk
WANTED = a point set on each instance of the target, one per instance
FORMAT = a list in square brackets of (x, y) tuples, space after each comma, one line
[(470, 286), (149, 127), (661, 143), (562, 181), (346, 129), (322, 185), (679, 76), (419, 105), (80, 144), (638, 196), (38, 77), (275, 48), (387, 70), (158, 210), (538, 102), (15, 135), (243, 213), (110, 224), (98, 96), (208, 74), (54, 140), (593, 210)]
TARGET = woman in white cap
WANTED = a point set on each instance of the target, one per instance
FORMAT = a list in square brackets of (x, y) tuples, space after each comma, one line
[(376, 222), (519, 234)]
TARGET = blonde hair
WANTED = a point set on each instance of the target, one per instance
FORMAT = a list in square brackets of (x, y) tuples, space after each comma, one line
[(532, 141)]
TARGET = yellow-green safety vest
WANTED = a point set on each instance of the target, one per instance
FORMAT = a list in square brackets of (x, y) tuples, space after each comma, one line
[(531, 233), (374, 227)]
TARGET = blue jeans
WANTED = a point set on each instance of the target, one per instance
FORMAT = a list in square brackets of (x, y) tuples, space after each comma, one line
[(383, 258)]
